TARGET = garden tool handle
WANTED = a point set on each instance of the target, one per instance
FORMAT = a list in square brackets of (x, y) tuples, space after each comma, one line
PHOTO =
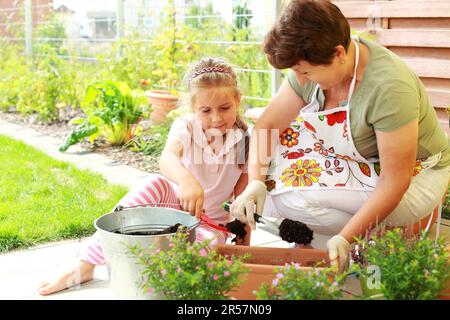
[(267, 225), (202, 217), (152, 205), (212, 225), (258, 218)]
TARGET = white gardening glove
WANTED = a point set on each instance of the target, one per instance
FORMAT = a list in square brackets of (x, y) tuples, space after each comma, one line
[(243, 207), (338, 252)]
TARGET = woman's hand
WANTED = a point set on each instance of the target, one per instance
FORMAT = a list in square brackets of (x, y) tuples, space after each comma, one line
[(338, 252), (191, 196), (243, 207)]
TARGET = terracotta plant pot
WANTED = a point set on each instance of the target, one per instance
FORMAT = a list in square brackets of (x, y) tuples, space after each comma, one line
[(263, 261), (162, 102)]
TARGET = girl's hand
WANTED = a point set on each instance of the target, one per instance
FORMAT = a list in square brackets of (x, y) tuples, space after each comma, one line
[(191, 196)]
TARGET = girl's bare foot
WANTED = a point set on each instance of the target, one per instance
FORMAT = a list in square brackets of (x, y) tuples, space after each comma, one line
[(80, 273)]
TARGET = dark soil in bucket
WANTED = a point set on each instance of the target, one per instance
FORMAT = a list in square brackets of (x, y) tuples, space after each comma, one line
[(168, 230)]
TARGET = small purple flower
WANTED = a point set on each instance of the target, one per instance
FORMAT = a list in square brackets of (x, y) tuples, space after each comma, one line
[(280, 275), (275, 282), (226, 273), (203, 253), (296, 266), (215, 277)]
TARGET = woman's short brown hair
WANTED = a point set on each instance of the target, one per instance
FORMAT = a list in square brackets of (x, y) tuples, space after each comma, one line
[(307, 30)]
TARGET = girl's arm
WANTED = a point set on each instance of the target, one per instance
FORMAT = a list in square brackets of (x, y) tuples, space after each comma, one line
[(170, 161), (397, 150), (241, 184), (191, 192)]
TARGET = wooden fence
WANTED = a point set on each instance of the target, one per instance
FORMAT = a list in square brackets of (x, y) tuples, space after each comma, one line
[(416, 30)]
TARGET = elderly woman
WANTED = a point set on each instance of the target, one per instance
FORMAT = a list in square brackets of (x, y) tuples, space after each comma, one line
[(359, 143)]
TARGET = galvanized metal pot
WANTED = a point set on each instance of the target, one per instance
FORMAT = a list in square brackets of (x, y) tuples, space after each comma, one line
[(123, 269)]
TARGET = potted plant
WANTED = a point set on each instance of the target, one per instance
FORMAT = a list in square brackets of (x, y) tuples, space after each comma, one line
[(170, 54), (263, 261), (162, 102), (293, 283), (409, 268), (189, 271)]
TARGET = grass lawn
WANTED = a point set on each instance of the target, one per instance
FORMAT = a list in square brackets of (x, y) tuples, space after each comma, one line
[(42, 199)]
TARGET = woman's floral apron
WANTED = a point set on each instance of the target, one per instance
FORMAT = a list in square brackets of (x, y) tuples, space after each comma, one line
[(317, 152)]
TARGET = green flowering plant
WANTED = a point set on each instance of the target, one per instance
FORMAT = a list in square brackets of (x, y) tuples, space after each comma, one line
[(189, 271), (294, 283), (408, 268)]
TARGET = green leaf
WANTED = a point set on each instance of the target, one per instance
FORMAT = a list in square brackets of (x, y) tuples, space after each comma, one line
[(76, 135)]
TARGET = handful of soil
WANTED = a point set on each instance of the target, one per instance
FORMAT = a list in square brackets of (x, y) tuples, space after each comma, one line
[(168, 230)]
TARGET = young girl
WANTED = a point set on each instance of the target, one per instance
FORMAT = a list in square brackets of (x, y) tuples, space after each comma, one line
[(202, 165)]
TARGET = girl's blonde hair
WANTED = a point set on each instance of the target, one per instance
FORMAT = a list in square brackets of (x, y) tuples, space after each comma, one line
[(215, 72)]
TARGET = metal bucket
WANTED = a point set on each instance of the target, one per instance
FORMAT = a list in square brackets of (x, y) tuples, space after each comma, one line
[(125, 273)]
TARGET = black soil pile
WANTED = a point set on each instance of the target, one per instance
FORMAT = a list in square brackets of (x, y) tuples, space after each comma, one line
[(295, 231)]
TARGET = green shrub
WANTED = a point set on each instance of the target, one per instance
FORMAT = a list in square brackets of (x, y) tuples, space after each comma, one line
[(47, 86), (410, 268), (293, 283), (189, 270), (13, 71)]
